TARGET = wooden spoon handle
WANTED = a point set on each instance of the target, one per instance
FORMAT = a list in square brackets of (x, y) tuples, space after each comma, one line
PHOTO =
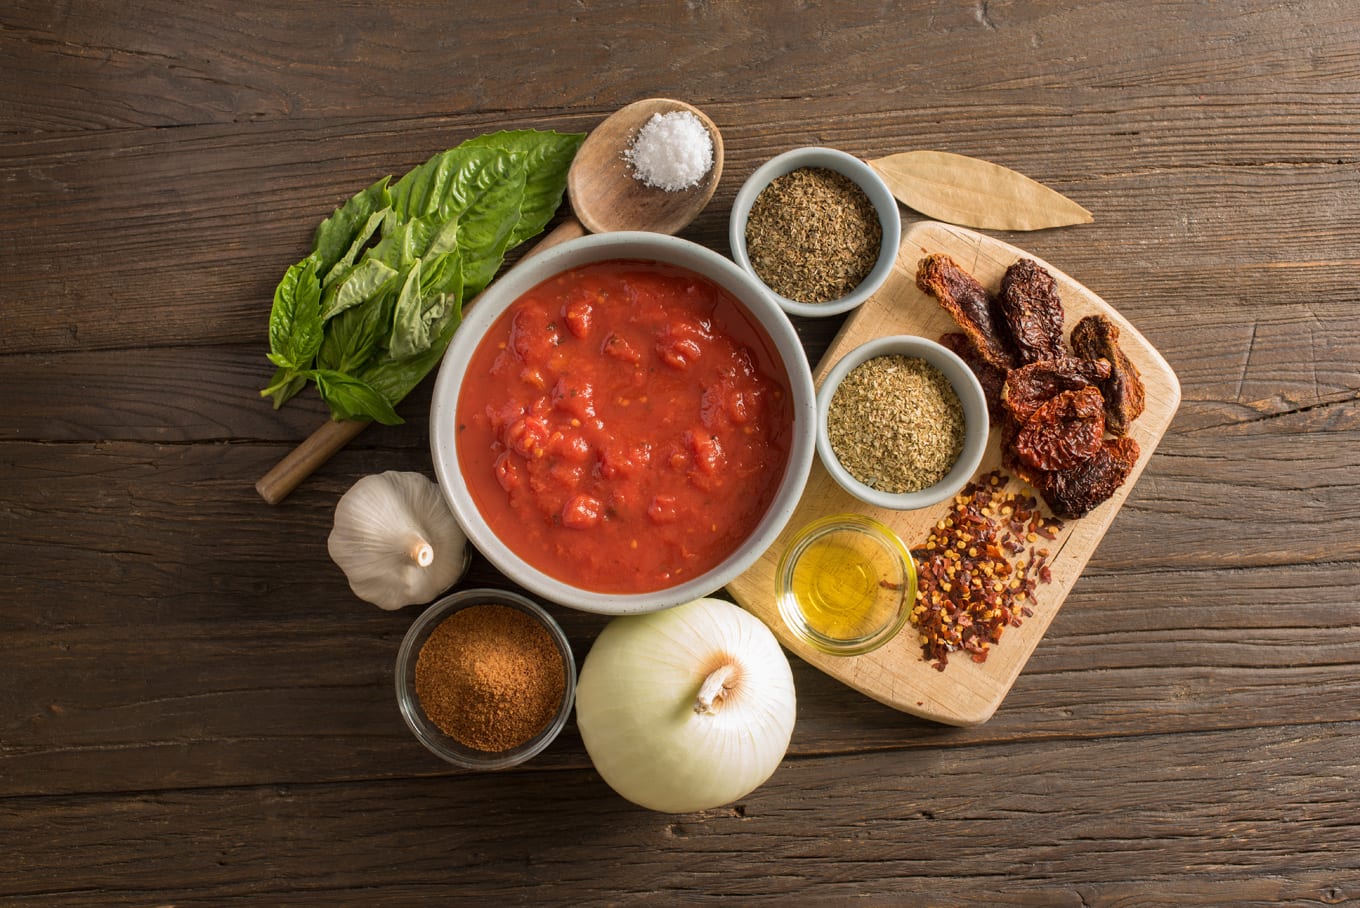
[(569, 229), (300, 462), (319, 447)]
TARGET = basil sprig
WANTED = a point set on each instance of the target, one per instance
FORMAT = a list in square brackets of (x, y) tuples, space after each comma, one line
[(369, 312)]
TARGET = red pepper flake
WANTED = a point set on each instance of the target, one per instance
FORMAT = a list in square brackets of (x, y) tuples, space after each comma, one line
[(968, 590)]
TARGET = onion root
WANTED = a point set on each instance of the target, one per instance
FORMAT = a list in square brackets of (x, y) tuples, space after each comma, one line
[(715, 688)]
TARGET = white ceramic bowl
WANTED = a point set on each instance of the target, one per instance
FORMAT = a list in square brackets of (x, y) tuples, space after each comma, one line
[(623, 245), (966, 386), (889, 218)]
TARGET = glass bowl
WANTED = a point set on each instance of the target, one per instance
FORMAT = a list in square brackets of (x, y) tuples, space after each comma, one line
[(971, 396), (847, 165), (846, 584), (427, 732)]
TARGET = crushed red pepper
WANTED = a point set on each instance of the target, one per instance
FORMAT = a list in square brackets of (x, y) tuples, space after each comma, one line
[(968, 589)]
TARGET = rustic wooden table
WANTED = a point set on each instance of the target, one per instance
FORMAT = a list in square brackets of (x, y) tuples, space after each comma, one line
[(195, 710)]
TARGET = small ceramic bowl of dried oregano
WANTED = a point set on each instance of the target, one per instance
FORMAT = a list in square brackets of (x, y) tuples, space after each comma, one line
[(819, 228), (901, 422), (485, 678)]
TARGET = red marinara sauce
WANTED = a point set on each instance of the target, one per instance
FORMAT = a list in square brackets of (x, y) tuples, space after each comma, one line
[(624, 425)]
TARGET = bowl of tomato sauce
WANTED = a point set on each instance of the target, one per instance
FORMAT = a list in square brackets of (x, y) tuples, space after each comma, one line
[(624, 422)]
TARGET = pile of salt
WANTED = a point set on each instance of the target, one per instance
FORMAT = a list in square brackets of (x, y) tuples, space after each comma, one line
[(672, 151)]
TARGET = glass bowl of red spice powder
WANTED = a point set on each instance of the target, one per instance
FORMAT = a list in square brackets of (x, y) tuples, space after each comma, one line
[(485, 679)]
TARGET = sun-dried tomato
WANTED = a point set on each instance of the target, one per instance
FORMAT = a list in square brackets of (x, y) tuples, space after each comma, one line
[(1076, 491), (973, 308), (1026, 389), (1033, 311), (990, 377), (1064, 431), (1096, 337)]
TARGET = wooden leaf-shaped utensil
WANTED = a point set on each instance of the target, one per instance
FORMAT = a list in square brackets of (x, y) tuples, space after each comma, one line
[(974, 193)]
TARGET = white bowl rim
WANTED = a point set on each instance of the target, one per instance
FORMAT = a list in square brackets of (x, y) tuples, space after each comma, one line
[(966, 386), (889, 217), (623, 245)]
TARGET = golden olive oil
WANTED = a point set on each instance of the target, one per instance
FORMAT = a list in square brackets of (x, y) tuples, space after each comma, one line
[(840, 588)]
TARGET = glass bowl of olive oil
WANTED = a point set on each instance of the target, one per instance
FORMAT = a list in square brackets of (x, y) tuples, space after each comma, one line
[(846, 584)]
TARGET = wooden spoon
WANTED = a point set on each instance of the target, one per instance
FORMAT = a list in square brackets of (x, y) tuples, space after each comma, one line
[(605, 196)]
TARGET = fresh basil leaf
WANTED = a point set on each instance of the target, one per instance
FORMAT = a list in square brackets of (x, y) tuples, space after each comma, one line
[(546, 157), (394, 379), (431, 295), (295, 318), (350, 398), (386, 310), (485, 227), (362, 284), (337, 233), (346, 262), (410, 334), (352, 337), (284, 385)]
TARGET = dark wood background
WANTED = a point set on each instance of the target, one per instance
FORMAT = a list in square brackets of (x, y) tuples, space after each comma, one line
[(195, 710)]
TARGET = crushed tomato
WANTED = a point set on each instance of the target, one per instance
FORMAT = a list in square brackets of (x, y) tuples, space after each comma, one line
[(624, 425)]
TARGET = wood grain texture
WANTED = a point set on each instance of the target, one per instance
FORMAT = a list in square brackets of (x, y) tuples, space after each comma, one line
[(195, 710)]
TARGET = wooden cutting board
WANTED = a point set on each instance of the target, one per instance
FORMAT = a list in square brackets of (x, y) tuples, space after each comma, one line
[(965, 693)]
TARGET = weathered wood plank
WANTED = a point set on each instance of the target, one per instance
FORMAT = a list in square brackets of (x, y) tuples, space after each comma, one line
[(1295, 359), (1243, 816), (234, 206), (86, 65), (166, 622)]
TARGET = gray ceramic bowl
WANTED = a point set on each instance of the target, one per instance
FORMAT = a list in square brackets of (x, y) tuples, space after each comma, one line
[(623, 245), (966, 386), (889, 218)]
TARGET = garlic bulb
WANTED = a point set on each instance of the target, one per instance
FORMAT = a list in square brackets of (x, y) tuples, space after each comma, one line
[(688, 708), (396, 540)]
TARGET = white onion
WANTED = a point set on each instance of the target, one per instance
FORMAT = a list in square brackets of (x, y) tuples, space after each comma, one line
[(688, 708)]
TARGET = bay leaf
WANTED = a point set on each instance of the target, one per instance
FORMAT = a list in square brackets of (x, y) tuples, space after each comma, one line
[(975, 193)]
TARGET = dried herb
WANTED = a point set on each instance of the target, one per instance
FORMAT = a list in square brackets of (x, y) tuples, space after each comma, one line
[(812, 235), (896, 424), (968, 590), (975, 193)]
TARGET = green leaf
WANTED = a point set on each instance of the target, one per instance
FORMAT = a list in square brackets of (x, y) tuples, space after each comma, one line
[(410, 334), (386, 310), (546, 157), (337, 233), (486, 225), (395, 379), (363, 284), (346, 262), (352, 338), (430, 296), (284, 385), (350, 398), (295, 318)]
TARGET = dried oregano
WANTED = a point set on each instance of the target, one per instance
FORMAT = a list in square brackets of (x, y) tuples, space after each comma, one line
[(812, 235), (895, 423)]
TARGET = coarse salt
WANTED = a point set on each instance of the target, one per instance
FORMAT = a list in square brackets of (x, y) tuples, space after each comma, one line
[(672, 151)]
